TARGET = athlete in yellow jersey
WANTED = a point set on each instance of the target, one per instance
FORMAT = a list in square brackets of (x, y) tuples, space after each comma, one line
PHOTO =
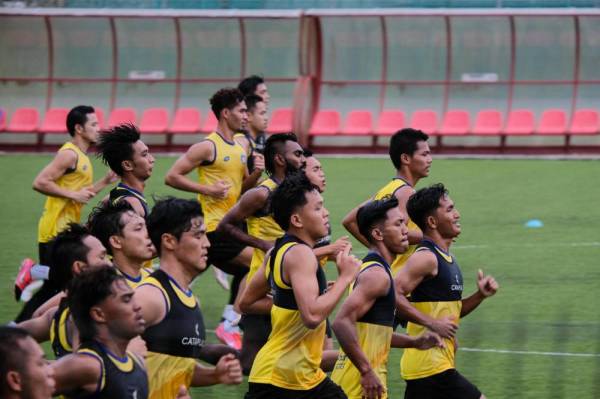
[(222, 177), (288, 365), (364, 324), (434, 280), (175, 332), (410, 154), (283, 155)]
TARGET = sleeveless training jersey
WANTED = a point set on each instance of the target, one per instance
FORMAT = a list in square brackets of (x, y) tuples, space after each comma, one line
[(292, 355), (60, 339), (374, 330), (123, 378), (437, 297), (122, 191), (390, 190), (58, 212), (262, 225), (323, 242), (229, 164), (132, 281), (173, 344)]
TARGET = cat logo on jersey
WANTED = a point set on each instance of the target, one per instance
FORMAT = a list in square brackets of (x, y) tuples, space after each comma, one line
[(84, 167), (227, 158), (243, 158)]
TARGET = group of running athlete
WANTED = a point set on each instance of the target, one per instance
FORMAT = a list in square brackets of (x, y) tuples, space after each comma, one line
[(116, 302)]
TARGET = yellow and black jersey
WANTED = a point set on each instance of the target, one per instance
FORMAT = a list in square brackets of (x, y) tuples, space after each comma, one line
[(229, 164), (323, 242), (437, 297), (292, 355), (60, 337), (122, 191), (374, 329), (59, 212), (254, 145), (174, 343), (262, 225), (120, 377), (135, 281), (389, 190)]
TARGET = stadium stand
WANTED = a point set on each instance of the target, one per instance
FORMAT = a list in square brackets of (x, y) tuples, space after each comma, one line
[(358, 122), (487, 122), (185, 121), (585, 122), (389, 122), (122, 115), (210, 123), (281, 121), (552, 122), (455, 123), (24, 120), (154, 121), (520, 122), (325, 123), (425, 120), (55, 121)]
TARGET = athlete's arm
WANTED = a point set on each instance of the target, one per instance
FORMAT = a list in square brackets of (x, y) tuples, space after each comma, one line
[(424, 341), (300, 265), (76, 371), (486, 287), (420, 266), (255, 298), (45, 181), (403, 194), (227, 371), (50, 303), (249, 203), (108, 179), (39, 327), (331, 250), (251, 179), (371, 284), (153, 303), (136, 205), (351, 224), (195, 156)]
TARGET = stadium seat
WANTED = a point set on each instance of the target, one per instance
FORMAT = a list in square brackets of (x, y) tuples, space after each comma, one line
[(122, 115), (552, 122), (2, 120), (425, 120), (154, 121), (358, 122), (281, 121), (389, 122), (186, 121), (100, 116), (24, 120), (520, 123), (55, 121), (325, 123), (455, 123), (585, 121), (488, 122), (210, 123)]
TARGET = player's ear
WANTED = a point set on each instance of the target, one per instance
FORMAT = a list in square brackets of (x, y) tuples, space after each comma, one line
[(168, 241), (127, 165), (14, 381), (404, 158), (377, 234), (225, 113), (97, 314), (115, 242), (296, 220), (78, 267), (431, 222)]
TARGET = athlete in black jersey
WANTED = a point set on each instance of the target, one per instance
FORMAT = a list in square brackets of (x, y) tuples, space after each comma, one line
[(253, 138), (434, 280), (122, 150), (107, 317)]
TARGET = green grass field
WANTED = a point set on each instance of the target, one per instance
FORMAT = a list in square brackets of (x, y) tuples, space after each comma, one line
[(547, 309)]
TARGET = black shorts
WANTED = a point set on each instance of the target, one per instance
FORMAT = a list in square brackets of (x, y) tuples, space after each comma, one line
[(256, 326), (449, 384), (325, 390), (44, 253), (223, 248)]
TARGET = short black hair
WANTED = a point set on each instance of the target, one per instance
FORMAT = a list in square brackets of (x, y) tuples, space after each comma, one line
[(308, 153), (289, 196), (276, 145), (66, 248), (405, 141), (78, 116), (105, 221), (248, 85), (13, 357), (424, 202), (225, 98), (172, 216), (251, 100), (87, 290), (373, 213), (115, 145)]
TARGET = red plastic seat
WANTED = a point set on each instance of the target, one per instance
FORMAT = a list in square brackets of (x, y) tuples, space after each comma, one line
[(520, 122), (358, 122), (210, 123), (325, 123), (552, 122), (389, 122), (55, 121), (281, 121), (154, 121), (100, 115), (585, 121), (2, 120), (488, 122), (425, 120), (119, 116), (186, 121), (24, 120), (456, 123)]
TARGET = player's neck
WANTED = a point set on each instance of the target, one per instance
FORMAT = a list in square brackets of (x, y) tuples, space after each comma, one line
[(177, 271), (133, 182), (126, 265), (302, 235), (224, 130), (406, 175), (383, 251), (81, 143), (443, 243), (279, 175), (253, 132), (115, 344)]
